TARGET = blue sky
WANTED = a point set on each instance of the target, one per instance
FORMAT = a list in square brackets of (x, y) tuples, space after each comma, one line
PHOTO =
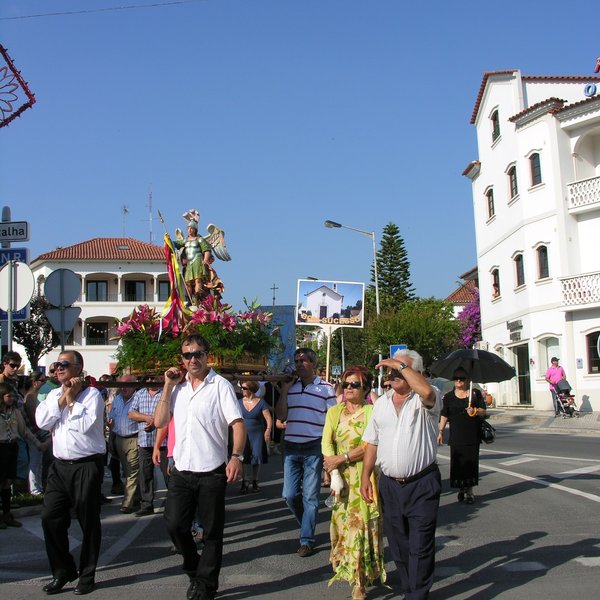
[(269, 116)]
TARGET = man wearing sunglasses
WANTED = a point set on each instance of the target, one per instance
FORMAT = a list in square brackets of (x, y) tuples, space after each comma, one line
[(303, 404), (51, 383), (74, 414), (204, 406), (401, 438)]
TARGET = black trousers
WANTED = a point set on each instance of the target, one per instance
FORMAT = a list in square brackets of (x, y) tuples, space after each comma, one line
[(409, 521), (203, 492), (74, 486), (146, 474)]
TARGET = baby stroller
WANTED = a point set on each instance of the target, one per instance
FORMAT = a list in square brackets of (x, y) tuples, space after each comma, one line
[(566, 400)]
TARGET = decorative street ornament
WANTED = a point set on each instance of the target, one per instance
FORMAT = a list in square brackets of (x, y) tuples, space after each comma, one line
[(15, 96)]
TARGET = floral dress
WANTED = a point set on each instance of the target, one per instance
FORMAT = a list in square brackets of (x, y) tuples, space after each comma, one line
[(356, 527)]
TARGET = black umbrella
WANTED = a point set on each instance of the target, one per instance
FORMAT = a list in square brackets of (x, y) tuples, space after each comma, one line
[(480, 366)]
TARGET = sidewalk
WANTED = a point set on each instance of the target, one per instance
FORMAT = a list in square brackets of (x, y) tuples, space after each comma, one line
[(528, 418)]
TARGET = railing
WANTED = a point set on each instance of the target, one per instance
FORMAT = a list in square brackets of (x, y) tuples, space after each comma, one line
[(582, 289), (584, 194)]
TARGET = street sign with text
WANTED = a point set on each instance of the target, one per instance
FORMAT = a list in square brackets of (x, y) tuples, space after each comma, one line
[(14, 231), (20, 255)]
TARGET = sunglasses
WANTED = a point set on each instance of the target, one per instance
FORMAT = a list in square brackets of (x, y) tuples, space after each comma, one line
[(63, 364), (52, 371), (355, 385), (197, 355), (387, 387), (245, 388), (13, 365), (459, 378)]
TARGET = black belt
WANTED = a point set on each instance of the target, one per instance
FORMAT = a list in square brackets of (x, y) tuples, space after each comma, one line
[(404, 480), (127, 436), (84, 459)]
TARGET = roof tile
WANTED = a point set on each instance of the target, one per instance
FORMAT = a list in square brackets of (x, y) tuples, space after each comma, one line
[(106, 249)]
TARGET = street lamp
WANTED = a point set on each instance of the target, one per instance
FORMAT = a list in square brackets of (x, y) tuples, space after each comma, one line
[(334, 225)]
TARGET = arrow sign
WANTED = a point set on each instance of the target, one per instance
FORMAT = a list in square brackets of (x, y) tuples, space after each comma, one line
[(70, 318)]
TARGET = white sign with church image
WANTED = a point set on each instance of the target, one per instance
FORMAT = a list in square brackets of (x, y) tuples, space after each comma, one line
[(338, 303)]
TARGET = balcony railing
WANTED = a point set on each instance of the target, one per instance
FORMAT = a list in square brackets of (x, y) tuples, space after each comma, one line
[(584, 195), (581, 290)]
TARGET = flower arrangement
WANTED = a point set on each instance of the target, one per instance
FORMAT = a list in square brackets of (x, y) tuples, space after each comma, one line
[(149, 342)]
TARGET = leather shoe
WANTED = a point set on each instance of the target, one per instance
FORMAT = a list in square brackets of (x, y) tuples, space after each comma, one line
[(144, 512), (84, 588), (127, 510), (58, 583)]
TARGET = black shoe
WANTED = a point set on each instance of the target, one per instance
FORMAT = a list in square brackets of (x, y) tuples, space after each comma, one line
[(84, 588), (461, 495), (58, 583), (244, 488), (193, 589), (255, 487), (144, 512), (470, 499), (104, 499)]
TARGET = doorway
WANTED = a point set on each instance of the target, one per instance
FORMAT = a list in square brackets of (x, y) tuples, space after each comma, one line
[(523, 376)]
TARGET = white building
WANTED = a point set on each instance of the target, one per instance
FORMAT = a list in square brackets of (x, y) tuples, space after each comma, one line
[(324, 302), (117, 274), (536, 198)]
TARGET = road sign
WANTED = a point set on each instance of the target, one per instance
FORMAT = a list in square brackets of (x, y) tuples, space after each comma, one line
[(16, 289), (395, 347), (70, 318), (18, 254), (14, 231), (62, 287)]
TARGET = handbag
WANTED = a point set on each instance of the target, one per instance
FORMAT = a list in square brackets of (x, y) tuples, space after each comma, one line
[(487, 433)]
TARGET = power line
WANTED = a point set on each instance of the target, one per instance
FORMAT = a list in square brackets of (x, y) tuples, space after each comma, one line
[(97, 10)]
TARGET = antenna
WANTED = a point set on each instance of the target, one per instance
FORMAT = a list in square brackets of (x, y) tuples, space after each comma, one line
[(274, 289), (124, 213), (150, 216)]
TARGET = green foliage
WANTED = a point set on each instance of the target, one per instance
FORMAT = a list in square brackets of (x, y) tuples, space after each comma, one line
[(393, 271), (425, 325), (36, 334)]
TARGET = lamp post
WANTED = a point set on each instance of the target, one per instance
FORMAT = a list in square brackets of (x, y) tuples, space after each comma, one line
[(371, 234)]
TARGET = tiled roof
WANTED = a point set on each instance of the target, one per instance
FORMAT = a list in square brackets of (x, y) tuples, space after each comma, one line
[(464, 294), (472, 165), (552, 107), (575, 104), (106, 249), (573, 78)]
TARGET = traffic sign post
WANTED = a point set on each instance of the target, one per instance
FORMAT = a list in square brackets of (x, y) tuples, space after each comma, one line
[(16, 290), (61, 289)]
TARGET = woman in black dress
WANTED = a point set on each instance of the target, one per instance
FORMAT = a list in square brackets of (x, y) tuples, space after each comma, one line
[(464, 419)]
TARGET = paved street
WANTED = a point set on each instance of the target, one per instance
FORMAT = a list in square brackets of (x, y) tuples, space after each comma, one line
[(532, 533)]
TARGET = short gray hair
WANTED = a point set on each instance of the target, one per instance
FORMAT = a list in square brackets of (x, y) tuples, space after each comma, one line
[(417, 360)]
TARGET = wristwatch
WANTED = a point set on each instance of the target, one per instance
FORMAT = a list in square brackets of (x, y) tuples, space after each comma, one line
[(240, 457), (403, 366)]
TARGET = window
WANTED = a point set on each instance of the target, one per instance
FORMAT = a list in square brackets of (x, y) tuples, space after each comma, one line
[(536, 169), (512, 180), (548, 347), (96, 291), (164, 291), (592, 352), (96, 334), (519, 270), (495, 283), (135, 291), (490, 203), (542, 258), (495, 125)]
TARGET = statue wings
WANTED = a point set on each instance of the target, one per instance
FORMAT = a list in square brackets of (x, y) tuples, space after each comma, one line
[(216, 238)]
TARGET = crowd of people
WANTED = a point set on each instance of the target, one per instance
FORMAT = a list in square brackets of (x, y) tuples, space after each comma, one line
[(376, 453)]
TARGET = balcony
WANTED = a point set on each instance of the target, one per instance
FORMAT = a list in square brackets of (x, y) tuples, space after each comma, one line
[(581, 291), (584, 195)]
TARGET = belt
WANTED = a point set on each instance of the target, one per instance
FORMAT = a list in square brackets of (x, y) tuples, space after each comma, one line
[(404, 480), (127, 436), (83, 459)]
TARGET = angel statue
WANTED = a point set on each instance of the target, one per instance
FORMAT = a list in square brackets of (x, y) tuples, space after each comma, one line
[(200, 278)]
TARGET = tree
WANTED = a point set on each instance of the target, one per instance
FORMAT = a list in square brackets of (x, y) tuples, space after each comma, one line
[(425, 325), (393, 269), (36, 334), (470, 322)]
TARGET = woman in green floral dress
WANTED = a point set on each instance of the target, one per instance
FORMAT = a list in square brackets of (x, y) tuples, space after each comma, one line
[(356, 527)]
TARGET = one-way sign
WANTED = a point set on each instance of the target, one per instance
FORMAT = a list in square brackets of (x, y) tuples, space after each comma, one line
[(14, 231)]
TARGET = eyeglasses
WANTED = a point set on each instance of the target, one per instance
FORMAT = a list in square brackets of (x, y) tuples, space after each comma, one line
[(52, 371), (197, 355), (63, 364), (246, 388), (459, 378), (355, 385), (13, 365), (386, 386)]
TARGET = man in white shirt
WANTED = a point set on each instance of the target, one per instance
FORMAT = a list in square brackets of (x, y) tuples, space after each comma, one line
[(74, 414), (204, 406), (401, 439)]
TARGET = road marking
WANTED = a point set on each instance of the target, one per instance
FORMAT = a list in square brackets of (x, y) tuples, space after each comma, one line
[(588, 561), (518, 461), (581, 471), (566, 458)]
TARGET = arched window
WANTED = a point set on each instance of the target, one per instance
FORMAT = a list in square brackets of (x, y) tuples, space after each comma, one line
[(547, 348), (495, 283), (536, 169), (542, 260), (592, 352), (490, 203), (519, 270), (495, 119), (512, 181)]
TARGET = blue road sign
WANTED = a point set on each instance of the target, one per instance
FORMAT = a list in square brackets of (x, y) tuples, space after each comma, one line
[(20, 255), (395, 347)]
